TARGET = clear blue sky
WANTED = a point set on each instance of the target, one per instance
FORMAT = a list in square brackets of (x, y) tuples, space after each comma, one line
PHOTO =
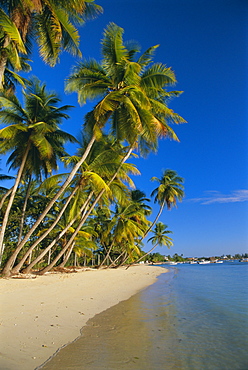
[(205, 43)]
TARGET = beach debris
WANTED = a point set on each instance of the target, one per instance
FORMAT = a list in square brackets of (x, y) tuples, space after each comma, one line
[(23, 276)]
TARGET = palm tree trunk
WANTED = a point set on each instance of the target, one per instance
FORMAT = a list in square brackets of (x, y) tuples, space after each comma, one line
[(48, 268), (81, 223), (1, 253), (30, 258), (117, 259), (107, 255), (1, 204), (3, 62), (67, 256), (5, 196), (11, 261), (147, 231), (154, 222), (17, 268), (85, 216), (48, 248), (49, 256), (6, 270), (24, 209), (141, 258)]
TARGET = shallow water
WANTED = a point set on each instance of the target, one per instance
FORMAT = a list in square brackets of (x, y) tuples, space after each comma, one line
[(194, 317)]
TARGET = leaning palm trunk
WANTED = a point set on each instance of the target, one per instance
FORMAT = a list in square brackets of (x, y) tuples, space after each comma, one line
[(148, 230), (141, 258), (107, 255), (24, 210), (3, 62), (1, 204), (1, 253), (5, 196), (116, 260), (17, 268), (53, 263), (49, 247), (154, 222), (12, 259), (11, 199), (67, 256)]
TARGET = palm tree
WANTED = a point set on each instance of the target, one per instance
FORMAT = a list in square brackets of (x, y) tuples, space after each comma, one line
[(120, 168), (133, 98), (50, 23), (160, 238), (32, 135), (102, 162), (10, 78), (127, 225), (139, 197), (11, 45), (132, 92), (169, 191)]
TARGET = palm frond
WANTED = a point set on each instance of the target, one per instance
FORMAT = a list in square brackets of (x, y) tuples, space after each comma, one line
[(146, 58), (9, 131), (113, 49), (69, 33), (157, 76), (46, 34), (89, 80), (12, 103), (96, 181), (108, 104), (11, 30)]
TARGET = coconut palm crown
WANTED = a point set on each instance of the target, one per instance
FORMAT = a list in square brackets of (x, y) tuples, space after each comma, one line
[(131, 89), (51, 23), (170, 189), (31, 135)]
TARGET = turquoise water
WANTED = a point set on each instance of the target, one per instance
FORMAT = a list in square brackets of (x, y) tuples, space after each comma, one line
[(208, 306), (195, 317)]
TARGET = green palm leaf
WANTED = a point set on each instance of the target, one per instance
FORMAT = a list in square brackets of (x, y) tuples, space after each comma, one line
[(146, 58), (49, 48), (70, 39), (10, 131), (158, 76), (11, 30), (113, 49)]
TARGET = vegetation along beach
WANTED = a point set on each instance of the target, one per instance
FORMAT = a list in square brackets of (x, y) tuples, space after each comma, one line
[(115, 145)]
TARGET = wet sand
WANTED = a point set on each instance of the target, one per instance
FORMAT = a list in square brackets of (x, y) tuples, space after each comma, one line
[(40, 315), (129, 335)]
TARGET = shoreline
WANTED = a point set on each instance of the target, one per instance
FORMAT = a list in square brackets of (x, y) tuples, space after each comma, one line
[(40, 316)]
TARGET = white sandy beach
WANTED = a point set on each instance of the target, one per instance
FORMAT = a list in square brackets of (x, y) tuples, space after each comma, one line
[(40, 315)]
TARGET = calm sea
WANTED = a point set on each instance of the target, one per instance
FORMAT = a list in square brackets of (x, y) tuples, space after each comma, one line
[(194, 317)]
